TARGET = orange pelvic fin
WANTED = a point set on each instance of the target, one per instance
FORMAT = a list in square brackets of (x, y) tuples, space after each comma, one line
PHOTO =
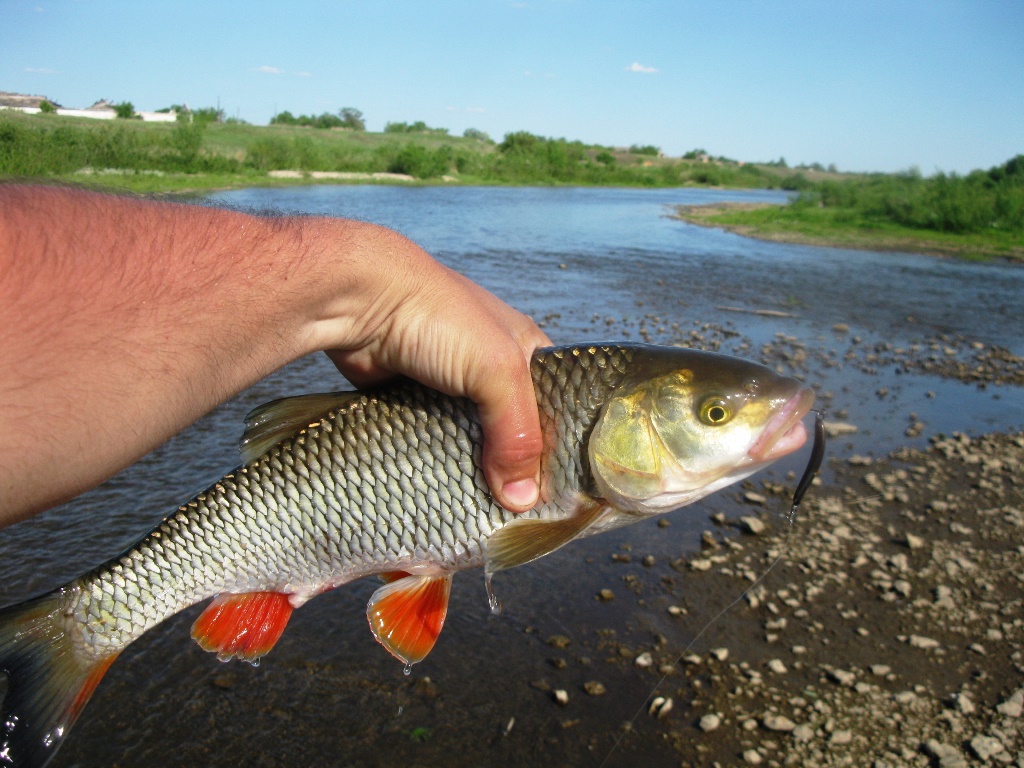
[(406, 615), (245, 625)]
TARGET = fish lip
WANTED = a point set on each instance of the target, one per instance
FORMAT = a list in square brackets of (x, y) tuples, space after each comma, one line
[(785, 433)]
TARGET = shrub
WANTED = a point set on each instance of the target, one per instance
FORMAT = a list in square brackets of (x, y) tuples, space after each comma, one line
[(125, 110)]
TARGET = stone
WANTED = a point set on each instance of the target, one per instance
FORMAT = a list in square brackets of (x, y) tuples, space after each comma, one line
[(753, 525), (777, 666), (927, 643), (644, 660), (840, 738), (1013, 706), (752, 757), (913, 542), (839, 428), (985, 747), (561, 697), (843, 677), (594, 688), (779, 723), (803, 732), (710, 722)]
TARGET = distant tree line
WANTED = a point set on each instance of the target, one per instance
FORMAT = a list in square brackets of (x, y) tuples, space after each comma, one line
[(346, 117)]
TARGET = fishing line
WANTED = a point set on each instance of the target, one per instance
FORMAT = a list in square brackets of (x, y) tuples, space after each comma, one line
[(813, 465)]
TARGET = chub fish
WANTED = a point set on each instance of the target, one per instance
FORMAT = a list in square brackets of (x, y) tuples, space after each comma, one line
[(335, 487)]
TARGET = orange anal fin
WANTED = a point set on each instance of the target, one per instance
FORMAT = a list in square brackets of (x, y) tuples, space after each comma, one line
[(406, 615), (87, 689), (390, 576), (245, 626)]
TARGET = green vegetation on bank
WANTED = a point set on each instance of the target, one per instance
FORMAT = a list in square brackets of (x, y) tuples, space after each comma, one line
[(980, 215), (977, 215), (207, 153)]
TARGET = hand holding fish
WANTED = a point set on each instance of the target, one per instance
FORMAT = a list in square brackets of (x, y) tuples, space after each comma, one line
[(136, 317)]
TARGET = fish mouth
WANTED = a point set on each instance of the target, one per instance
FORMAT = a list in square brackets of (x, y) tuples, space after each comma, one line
[(785, 433)]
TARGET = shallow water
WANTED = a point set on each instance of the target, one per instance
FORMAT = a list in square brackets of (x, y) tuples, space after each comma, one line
[(590, 264)]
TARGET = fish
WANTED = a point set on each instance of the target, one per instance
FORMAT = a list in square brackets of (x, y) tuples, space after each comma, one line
[(340, 486)]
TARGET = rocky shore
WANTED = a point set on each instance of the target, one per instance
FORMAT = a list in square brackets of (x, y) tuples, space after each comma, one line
[(889, 633)]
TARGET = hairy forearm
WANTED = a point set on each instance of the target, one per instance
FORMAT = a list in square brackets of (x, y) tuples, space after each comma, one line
[(122, 321)]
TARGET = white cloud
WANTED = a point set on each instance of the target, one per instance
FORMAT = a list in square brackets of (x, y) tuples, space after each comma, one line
[(41, 70), (303, 74), (269, 70), (636, 66)]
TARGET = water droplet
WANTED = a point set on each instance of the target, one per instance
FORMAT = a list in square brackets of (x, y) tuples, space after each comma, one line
[(492, 600), (408, 668), (254, 662)]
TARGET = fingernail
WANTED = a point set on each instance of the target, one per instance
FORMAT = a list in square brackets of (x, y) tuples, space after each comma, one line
[(520, 493)]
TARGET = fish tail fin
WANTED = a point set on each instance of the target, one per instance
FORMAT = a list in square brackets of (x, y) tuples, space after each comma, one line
[(47, 685)]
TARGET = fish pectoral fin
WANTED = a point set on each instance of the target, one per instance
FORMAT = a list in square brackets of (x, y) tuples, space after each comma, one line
[(523, 541), (273, 422), (244, 626), (406, 615)]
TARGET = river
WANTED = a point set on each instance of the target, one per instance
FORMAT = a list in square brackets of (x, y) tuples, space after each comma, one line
[(589, 264)]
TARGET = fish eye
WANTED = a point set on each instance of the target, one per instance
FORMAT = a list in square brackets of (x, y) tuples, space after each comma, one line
[(715, 411)]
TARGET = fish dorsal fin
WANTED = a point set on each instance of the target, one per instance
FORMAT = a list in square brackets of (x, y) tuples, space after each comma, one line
[(406, 615), (244, 625), (273, 422), (525, 540)]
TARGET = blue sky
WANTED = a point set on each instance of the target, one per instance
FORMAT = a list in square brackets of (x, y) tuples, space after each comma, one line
[(865, 85)]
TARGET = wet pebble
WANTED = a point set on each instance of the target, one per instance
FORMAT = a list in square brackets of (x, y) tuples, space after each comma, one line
[(644, 660), (752, 525), (594, 688), (660, 707), (559, 641), (985, 747), (1013, 706), (779, 723), (839, 428), (710, 722), (561, 697)]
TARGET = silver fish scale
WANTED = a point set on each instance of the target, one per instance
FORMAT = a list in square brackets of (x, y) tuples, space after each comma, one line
[(390, 481)]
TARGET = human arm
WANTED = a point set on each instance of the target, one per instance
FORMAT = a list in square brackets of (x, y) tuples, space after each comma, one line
[(123, 320)]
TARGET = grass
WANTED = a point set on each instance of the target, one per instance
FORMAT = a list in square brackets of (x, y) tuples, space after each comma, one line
[(843, 229), (215, 155)]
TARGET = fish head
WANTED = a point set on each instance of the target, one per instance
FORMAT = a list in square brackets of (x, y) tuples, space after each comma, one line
[(687, 423)]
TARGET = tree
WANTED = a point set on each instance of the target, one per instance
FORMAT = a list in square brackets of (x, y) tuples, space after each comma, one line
[(125, 110), (47, 106), (352, 118)]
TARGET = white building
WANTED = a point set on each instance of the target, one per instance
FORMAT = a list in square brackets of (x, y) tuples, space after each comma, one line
[(101, 110)]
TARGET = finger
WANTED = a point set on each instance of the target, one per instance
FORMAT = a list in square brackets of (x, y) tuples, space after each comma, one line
[(513, 441)]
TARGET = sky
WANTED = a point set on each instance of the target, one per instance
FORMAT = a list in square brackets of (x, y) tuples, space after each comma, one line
[(865, 85)]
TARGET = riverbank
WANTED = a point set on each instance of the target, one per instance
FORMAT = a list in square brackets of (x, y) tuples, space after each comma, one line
[(828, 228), (889, 633)]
